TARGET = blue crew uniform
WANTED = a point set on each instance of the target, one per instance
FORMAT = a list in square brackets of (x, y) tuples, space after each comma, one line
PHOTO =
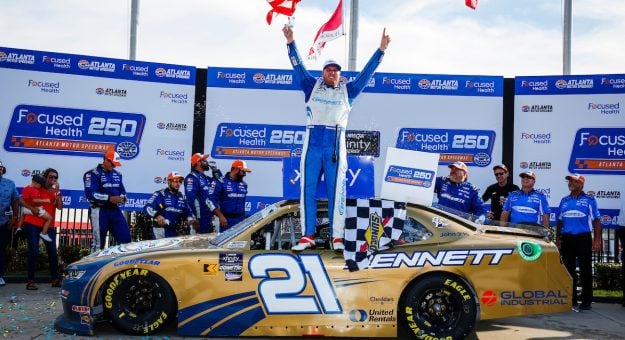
[(200, 192), (464, 196), (172, 206), (576, 217), (526, 207), (231, 196), (8, 195), (327, 114), (105, 216)]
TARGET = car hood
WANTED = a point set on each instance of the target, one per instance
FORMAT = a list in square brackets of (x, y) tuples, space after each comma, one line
[(142, 247)]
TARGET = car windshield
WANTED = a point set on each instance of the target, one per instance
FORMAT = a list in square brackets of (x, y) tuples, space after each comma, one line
[(243, 225)]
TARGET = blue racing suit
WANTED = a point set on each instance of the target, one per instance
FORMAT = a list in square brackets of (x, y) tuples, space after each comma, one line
[(526, 207), (200, 192), (231, 196), (327, 114), (105, 216), (172, 206), (463, 196)]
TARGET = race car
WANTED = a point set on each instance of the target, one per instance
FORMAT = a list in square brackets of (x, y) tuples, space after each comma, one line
[(442, 275)]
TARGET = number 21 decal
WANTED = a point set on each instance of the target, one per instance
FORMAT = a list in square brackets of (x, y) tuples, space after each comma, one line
[(284, 294)]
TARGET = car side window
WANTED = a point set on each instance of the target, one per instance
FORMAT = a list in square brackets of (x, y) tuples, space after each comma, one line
[(285, 230), (415, 231)]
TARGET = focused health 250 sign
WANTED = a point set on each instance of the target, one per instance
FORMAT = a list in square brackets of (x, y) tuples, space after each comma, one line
[(55, 130), (598, 151)]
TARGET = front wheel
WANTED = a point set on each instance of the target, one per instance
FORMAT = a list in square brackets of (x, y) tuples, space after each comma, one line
[(139, 302), (438, 306)]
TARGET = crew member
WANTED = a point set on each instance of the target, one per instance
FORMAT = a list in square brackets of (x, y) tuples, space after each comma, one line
[(168, 207), (200, 192), (498, 192), (328, 104), (231, 195), (578, 220), (106, 193), (526, 205)]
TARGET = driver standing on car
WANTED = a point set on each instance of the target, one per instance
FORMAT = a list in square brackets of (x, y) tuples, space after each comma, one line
[(328, 105)]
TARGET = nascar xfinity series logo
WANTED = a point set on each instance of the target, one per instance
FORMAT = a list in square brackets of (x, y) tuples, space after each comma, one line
[(55, 130), (473, 147), (409, 176), (598, 151)]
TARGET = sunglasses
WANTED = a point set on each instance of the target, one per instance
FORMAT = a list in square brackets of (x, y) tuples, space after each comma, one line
[(53, 177), (497, 174)]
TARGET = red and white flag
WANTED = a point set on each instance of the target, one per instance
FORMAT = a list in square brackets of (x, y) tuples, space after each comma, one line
[(329, 31), (471, 3), (286, 7)]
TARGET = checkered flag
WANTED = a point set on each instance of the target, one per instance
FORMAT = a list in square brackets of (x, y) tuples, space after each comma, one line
[(371, 225)]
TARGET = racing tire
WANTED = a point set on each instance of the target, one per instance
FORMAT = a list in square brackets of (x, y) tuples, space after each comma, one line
[(139, 302), (437, 307)]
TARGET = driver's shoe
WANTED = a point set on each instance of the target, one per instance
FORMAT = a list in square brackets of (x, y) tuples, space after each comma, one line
[(304, 243), (337, 243)]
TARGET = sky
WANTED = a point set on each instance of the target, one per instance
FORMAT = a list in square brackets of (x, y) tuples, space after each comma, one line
[(502, 37)]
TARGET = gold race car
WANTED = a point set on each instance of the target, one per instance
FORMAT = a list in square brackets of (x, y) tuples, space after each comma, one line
[(442, 275)]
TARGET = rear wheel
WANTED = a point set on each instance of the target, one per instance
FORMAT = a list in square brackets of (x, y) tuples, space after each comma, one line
[(438, 306), (139, 302)]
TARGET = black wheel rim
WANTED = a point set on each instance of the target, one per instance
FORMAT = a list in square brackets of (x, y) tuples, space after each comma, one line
[(140, 297), (437, 310)]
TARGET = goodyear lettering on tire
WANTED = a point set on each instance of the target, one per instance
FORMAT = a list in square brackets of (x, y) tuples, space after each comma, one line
[(110, 290)]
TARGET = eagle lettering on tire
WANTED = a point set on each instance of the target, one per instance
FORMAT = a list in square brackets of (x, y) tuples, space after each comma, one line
[(438, 307)]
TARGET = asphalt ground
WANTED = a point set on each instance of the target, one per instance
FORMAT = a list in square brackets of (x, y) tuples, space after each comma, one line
[(28, 314)]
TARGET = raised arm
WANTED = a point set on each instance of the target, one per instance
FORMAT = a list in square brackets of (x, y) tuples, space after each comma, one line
[(355, 87), (302, 77)]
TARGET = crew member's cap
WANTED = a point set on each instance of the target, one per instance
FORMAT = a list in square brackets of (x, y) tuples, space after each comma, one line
[(239, 164), (331, 62), (529, 174), (37, 178), (459, 165), (197, 157), (173, 175), (576, 177), (113, 157), (500, 166)]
